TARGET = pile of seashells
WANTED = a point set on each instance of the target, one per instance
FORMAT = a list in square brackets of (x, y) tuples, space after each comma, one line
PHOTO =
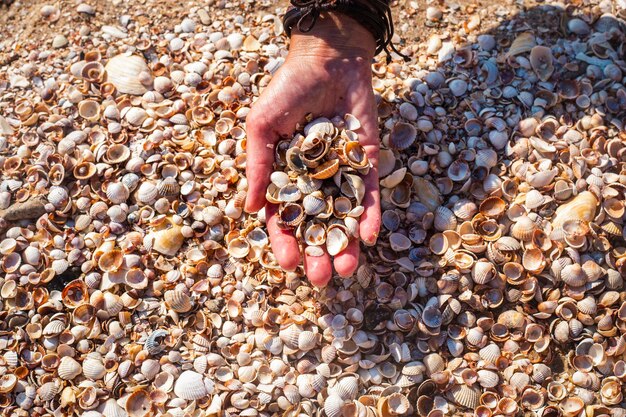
[(319, 187), (132, 283)]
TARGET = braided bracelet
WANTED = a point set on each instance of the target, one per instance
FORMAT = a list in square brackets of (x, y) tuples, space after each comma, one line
[(374, 15)]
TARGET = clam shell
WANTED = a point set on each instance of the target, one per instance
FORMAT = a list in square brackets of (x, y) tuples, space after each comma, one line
[(336, 240), (541, 61), (124, 73), (465, 396)]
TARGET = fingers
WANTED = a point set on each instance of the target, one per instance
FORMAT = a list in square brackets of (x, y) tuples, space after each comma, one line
[(260, 158), (371, 217), (347, 261), (284, 244), (318, 269)]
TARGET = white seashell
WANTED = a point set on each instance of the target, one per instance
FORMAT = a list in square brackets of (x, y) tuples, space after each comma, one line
[(190, 386), (69, 368), (124, 73)]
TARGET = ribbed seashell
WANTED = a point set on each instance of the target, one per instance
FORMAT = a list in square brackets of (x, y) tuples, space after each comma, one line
[(402, 136), (168, 187), (347, 388), (48, 390), (444, 219), (523, 228), (573, 275), (464, 209), (69, 368), (58, 196), (483, 272), (487, 378), (490, 353), (291, 214), (93, 369), (333, 406), (117, 192), (325, 170), (178, 301), (147, 193), (124, 72), (587, 305), (190, 386), (465, 396), (433, 362), (308, 185)]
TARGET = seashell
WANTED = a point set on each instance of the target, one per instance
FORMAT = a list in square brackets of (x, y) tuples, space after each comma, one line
[(307, 185), (48, 390), (84, 170), (355, 155), (523, 228), (117, 192), (458, 171), (490, 353), (336, 240), (434, 363), (289, 193), (582, 207), (138, 404), (541, 61), (190, 386), (444, 219), (488, 379), (465, 396), (291, 214), (93, 369), (178, 301), (69, 368), (573, 275), (89, 110), (402, 136), (147, 193), (124, 72), (347, 388), (168, 187), (571, 406), (333, 406), (325, 170), (393, 405)]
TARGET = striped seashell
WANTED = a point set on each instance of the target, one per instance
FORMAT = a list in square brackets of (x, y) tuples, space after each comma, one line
[(333, 406), (519, 380), (347, 388), (168, 187), (487, 378), (58, 196), (290, 336), (508, 244), (292, 394), (490, 353), (178, 301), (190, 386), (329, 353), (93, 369), (147, 193), (541, 372), (48, 390), (573, 275), (150, 368), (475, 336), (69, 368), (246, 374), (153, 342), (523, 228), (465, 396), (444, 219), (433, 363), (98, 210), (587, 305), (111, 408), (54, 328), (11, 358), (117, 192), (308, 185), (307, 340)]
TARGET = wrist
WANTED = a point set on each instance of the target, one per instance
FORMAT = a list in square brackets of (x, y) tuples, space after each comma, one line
[(333, 36)]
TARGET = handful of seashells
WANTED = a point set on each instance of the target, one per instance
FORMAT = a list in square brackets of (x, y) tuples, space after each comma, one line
[(317, 183)]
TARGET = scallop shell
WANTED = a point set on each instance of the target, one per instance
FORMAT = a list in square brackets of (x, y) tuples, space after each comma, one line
[(93, 369), (444, 219), (117, 192), (347, 388), (333, 406), (124, 72)]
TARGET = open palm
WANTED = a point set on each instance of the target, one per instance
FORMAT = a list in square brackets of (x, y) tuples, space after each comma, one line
[(323, 87)]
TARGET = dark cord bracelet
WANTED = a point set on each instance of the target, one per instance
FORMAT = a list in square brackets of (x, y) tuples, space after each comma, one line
[(374, 15)]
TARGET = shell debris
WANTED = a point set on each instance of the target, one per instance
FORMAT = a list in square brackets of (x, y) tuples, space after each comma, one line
[(133, 283)]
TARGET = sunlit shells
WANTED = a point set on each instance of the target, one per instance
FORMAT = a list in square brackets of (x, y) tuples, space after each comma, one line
[(178, 301)]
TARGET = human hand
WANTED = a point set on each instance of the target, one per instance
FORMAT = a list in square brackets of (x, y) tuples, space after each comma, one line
[(327, 73)]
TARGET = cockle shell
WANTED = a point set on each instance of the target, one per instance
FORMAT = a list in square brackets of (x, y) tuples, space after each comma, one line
[(124, 71), (69, 368), (582, 207), (178, 301), (402, 136), (541, 61), (190, 386)]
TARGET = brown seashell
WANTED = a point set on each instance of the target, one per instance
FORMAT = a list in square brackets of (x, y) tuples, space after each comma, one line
[(326, 170)]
